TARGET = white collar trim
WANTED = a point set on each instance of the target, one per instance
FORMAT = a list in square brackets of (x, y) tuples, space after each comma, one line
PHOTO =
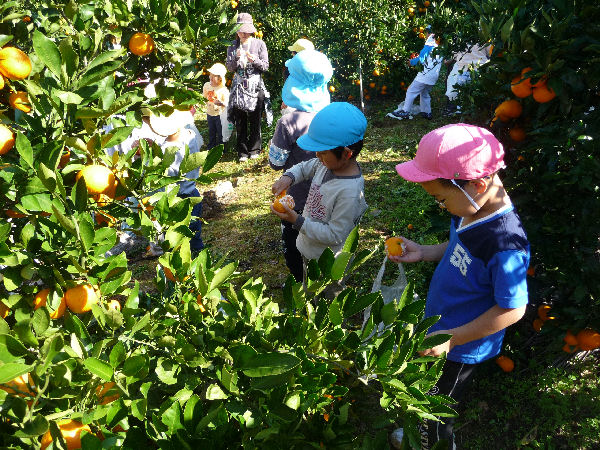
[(500, 212)]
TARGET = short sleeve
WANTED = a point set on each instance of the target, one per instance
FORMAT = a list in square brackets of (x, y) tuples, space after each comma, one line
[(509, 278)]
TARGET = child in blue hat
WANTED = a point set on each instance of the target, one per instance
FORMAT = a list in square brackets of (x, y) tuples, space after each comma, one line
[(305, 92), (336, 199)]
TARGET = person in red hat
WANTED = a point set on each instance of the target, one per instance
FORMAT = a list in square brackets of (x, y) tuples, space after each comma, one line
[(479, 286), (248, 59)]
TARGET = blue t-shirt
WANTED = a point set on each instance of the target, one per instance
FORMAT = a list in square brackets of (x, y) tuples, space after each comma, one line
[(485, 264)]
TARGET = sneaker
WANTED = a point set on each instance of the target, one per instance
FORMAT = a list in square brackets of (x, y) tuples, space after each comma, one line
[(400, 115), (425, 115), (255, 156), (243, 158)]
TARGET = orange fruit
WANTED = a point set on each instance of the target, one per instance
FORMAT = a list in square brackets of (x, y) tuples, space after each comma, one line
[(350, 97), (19, 386), (410, 226), (569, 348), (287, 200), (376, 72), (520, 86), (570, 338), (543, 93), (103, 218), (588, 339), (113, 304), (169, 274), (20, 100), (517, 134), (395, 246), (7, 139), (411, 10), (371, 85), (538, 324), (543, 311), (505, 363), (332, 89), (509, 109), (2, 82), (41, 299), (367, 97), (103, 390), (64, 159), (141, 44), (98, 179), (14, 63), (81, 298), (530, 270), (4, 310), (326, 417), (199, 301), (71, 432), (426, 3), (421, 35), (422, 10)]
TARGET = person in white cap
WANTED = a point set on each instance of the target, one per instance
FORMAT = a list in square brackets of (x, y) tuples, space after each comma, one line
[(217, 96), (298, 46)]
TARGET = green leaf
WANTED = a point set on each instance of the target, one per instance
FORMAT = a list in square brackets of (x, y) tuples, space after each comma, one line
[(214, 155), (389, 313), (47, 177), (134, 364), (335, 313), (116, 136), (193, 161), (172, 418), (141, 324), (79, 195), (10, 349), (192, 412), (361, 303), (339, 266), (167, 371), (434, 341), (214, 392), (64, 221), (86, 231), (99, 368), (10, 371), (26, 336), (266, 364), (70, 60), (24, 148), (138, 408), (40, 321), (426, 324), (69, 98), (351, 241), (221, 275), (326, 261), (33, 428), (293, 400), (117, 355), (47, 52)]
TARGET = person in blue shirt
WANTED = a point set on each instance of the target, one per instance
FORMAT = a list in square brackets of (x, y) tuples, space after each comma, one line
[(479, 286)]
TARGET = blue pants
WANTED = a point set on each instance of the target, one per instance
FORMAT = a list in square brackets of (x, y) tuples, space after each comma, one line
[(196, 243), (215, 133)]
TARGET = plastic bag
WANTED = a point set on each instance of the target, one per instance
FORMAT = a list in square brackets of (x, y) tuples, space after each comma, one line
[(226, 126)]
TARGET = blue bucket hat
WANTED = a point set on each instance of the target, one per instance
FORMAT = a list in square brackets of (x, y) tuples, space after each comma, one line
[(339, 124), (306, 87)]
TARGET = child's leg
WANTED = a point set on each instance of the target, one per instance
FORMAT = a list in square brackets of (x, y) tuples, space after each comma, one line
[(212, 130), (455, 378), (412, 92), (196, 243), (293, 258), (218, 130), (426, 98)]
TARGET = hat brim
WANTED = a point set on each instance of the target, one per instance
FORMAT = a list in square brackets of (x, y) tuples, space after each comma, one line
[(410, 172), (169, 125), (305, 142), (300, 96), (247, 28)]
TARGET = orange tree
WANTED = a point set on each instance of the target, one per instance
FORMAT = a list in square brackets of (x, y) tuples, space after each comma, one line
[(543, 59), (85, 357)]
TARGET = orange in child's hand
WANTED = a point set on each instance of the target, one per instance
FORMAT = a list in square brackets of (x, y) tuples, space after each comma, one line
[(287, 200), (543, 311), (505, 363), (395, 246)]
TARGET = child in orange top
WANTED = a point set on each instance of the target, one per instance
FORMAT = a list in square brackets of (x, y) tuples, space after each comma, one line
[(218, 97)]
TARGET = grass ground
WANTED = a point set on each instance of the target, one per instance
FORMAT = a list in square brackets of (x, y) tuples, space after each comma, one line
[(533, 407)]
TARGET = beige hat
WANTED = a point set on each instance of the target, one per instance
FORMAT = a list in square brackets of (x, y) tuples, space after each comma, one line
[(247, 23), (301, 44), (217, 69), (171, 124)]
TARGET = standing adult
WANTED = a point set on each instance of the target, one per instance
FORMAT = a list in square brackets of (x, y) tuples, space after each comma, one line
[(248, 59), (305, 91)]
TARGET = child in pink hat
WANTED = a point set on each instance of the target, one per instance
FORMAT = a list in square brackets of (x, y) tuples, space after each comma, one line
[(479, 286)]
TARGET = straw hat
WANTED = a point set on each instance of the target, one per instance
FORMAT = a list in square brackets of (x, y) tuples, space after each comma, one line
[(301, 44)]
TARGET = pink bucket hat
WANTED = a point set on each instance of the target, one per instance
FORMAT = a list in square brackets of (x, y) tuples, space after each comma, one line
[(455, 151)]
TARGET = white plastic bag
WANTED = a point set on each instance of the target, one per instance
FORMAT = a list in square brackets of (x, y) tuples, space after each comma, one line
[(226, 126)]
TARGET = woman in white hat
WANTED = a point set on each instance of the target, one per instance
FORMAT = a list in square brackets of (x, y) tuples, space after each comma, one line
[(248, 59)]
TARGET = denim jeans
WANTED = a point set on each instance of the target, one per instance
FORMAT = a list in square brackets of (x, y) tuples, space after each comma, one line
[(196, 243)]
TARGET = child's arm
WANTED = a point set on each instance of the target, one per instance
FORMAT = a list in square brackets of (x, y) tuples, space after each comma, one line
[(417, 252), (493, 320)]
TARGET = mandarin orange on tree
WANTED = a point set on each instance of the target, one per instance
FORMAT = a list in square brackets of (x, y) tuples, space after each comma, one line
[(543, 311), (588, 339), (517, 134), (20, 100), (71, 433), (14, 63), (543, 93), (521, 87), (570, 338), (4, 310), (141, 44), (505, 363), (81, 298), (107, 393), (7, 139), (538, 324), (41, 299), (98, 179), (509, 109), (19, 386)]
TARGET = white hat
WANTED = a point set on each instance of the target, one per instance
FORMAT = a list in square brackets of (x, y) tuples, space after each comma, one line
[(301, 44), (171, 124), (217, 69)]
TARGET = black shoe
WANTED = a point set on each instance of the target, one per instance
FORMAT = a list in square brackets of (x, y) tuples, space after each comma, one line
[(400, 115), (425, 115)]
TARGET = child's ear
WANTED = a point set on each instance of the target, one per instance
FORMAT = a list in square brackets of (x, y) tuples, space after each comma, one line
[(347, 154), (481, 184)]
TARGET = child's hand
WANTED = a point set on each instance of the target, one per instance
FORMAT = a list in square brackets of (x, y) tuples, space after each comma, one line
[(281, 185), (412, 253), (289, 215), (439, 349), (251, 56)]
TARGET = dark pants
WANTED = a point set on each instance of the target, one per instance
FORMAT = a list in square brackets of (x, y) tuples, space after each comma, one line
[(455, 378), (293, 258), (196, 243), (215, 133), (248, 144)]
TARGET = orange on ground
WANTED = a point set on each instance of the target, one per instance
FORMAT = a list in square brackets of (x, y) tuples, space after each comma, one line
[(103, 390), (520, 86), (19, 386), (509, 109), (287, 200), (7, 139), (538, 324), (98, 179), (71, 432), (570, 338), (81, 298), (141, 44), (543, 93), (505, 363), (395, 246), (543, 311), (517, 134), (19, 100), (588, 339), (14, 63), (114, 304), (4, 310)]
